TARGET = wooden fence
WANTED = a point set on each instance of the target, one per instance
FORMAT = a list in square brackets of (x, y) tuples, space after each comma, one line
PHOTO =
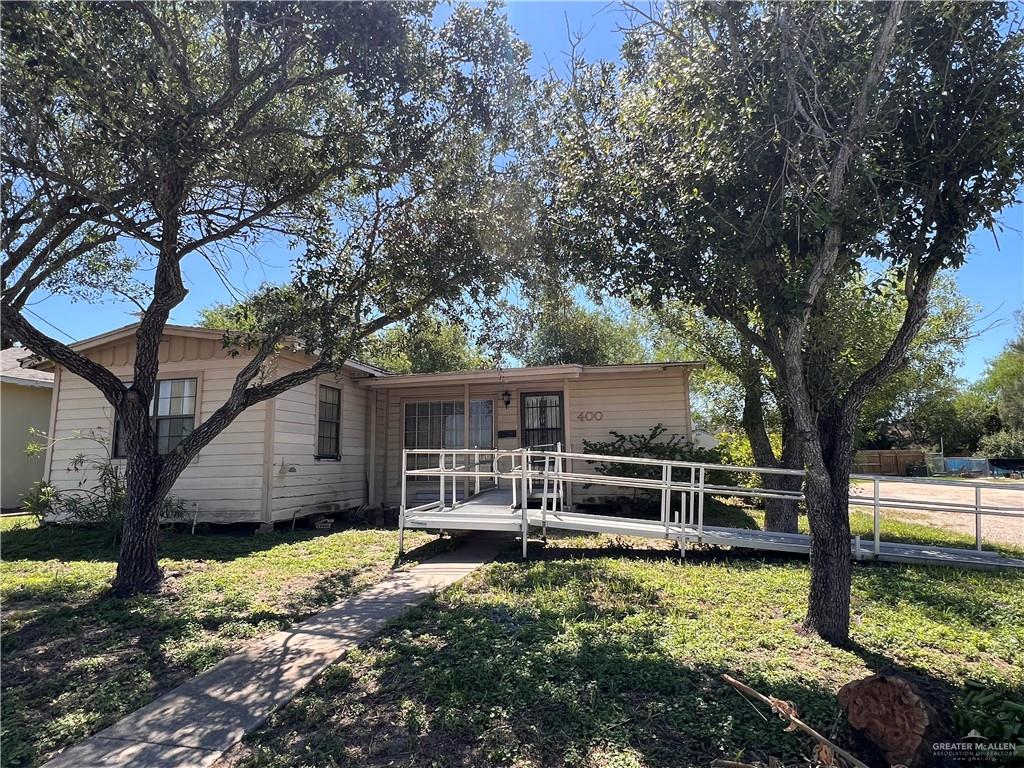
[(891, 462)]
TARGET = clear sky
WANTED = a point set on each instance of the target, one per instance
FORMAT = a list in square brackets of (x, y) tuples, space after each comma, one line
[(993, 276)]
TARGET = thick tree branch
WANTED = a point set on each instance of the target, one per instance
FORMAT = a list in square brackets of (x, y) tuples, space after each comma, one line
[(19, 293), (823, 267), (18, 328)]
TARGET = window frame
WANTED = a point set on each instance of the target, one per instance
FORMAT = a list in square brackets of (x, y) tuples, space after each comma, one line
[(420, 461), (196, 376), (317, 455)]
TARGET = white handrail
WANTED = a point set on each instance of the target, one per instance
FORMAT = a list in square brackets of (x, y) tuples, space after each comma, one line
[(966, 483), (550, 470), (601, 458)]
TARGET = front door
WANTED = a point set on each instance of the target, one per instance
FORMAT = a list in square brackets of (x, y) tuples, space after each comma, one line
[(543, 419)]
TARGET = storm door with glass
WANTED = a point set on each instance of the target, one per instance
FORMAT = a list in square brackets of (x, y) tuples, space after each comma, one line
[(543, 423)]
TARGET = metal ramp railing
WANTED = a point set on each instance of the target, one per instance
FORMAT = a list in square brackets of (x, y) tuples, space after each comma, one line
[(518, 476)]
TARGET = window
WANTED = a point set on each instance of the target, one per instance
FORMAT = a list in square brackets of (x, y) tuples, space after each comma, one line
[(328, 431), (173, 413), (441, 424), (175, 416)]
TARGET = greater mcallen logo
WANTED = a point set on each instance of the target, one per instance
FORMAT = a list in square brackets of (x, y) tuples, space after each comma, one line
[(974, 748)]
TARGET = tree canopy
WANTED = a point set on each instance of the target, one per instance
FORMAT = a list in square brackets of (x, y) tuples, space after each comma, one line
[(425, 344), (557, 329), (378, 143), (753, 157), (1004, 378)]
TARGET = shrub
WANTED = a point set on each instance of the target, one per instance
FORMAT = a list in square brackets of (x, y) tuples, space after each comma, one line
[(651, 445), (1006, 444), (101, 497), (40, 500), (735, 449), (103, 503)]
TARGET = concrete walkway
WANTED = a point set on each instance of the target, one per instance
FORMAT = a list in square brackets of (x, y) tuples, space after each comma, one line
[(193, 725)]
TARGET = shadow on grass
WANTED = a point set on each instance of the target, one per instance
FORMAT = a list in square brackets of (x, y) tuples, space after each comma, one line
[(554, 550), (940, 591), (60, 542), (70, 543), (581, 676), (75, 664)]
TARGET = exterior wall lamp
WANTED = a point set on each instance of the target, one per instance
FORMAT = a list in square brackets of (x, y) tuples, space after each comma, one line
[(506, 398)]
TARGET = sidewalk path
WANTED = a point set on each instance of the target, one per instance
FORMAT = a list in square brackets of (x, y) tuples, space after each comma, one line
[(193, 725)]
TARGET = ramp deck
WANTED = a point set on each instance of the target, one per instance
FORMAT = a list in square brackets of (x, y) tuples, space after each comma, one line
[(492, 510)]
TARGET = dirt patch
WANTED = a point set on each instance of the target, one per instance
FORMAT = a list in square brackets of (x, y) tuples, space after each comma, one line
[(994, 528)]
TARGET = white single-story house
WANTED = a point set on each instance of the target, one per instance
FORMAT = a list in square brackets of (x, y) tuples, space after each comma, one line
[(336, 443), (25, 397)]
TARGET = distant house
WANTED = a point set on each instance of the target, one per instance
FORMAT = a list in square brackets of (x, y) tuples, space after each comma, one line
[(25, 397), (336, 443)]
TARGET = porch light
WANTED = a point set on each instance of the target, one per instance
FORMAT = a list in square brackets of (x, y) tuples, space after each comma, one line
[(506, 398)]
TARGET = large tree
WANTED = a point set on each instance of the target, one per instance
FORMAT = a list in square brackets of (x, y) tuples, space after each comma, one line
[(1004, 378), (364, 133), (741, 389), (742, 392), (424, 343), (554, 328), (751, 157)]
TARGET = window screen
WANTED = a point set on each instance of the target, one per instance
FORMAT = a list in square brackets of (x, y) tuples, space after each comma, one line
[(328, 433), (440, 424)]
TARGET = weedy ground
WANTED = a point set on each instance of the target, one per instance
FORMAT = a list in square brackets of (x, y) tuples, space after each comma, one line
[(608, 654), (76, 660)]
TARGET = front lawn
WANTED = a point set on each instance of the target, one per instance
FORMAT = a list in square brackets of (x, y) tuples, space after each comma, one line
[(75, 660), (608, 654)]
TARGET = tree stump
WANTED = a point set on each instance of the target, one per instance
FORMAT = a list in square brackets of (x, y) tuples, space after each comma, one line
[(889, 712)]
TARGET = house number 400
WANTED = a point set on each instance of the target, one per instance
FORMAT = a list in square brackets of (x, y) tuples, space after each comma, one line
[(590, 416)]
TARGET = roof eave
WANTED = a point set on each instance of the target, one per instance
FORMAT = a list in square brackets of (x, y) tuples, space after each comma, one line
[(20, 381), (502, 375)]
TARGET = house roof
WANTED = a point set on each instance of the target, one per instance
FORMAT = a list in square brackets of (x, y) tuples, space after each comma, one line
[(511, 375), (11, 371), (380, 377), (184, 330)]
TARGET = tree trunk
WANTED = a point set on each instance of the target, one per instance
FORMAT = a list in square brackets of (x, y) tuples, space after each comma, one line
[(828, 605), (828, 456), (779, 514), (782, 515), (137, 567)]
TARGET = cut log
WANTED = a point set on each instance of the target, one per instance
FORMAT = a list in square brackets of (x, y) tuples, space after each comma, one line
[(890, 713)]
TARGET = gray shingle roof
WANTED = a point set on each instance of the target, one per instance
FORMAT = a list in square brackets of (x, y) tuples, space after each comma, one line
[(12, 372)]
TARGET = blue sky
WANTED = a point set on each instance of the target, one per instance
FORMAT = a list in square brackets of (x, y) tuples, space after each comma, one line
[(993, 276)]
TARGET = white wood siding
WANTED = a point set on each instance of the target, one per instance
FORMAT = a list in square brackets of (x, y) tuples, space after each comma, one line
[(629, 403), (301, 483), (238, 477), (225, 481)]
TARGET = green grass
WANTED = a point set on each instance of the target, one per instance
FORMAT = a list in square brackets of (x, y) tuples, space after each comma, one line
[(609, 654), (75, 659)]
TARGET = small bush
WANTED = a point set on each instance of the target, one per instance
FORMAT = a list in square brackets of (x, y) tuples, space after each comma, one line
[(103, 504), (735, 449), (102, 495), (40, 500), (651, 445)]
